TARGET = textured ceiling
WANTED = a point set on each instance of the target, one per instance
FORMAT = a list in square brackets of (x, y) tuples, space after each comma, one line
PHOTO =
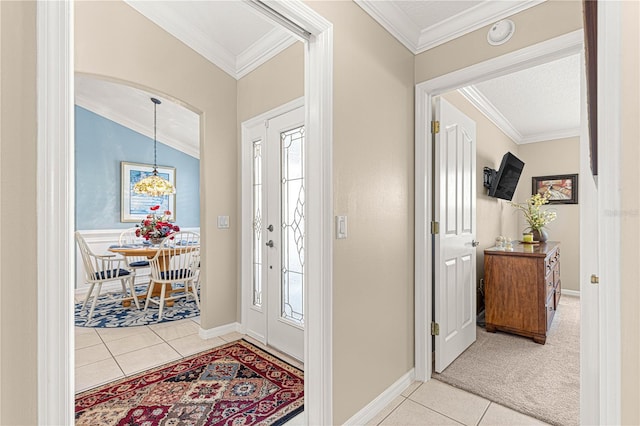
[(540, 103)]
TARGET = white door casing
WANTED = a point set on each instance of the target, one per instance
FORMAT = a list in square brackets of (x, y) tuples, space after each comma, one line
[(455, 252)]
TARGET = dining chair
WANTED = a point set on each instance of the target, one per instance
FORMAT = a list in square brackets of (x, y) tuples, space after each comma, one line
[(134, 263), (100, 269), (174, 268)]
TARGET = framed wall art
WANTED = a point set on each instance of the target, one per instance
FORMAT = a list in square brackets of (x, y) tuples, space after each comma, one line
[(135, 207), (562, 188)]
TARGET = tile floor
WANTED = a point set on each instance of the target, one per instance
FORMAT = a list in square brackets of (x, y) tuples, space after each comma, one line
[(436, 403), (107, 354)]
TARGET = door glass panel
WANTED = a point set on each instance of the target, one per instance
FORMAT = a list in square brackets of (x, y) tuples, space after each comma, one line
[(257, 223), (292, 237)]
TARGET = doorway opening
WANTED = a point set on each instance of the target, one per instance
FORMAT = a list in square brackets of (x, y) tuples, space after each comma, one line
[(569, 44)]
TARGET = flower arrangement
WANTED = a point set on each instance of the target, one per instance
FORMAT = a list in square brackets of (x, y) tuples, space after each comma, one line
[(156, 226), (533, 214)]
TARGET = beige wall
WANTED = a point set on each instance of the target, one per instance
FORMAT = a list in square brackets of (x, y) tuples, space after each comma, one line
[(630, 196), (115, 41), (539, 23), (494, 216), (274, 83), (18, 315), (373, 186), (554, 158)]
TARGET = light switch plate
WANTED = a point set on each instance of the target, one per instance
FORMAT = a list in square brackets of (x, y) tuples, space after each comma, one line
[(341, 227), (223, 222)]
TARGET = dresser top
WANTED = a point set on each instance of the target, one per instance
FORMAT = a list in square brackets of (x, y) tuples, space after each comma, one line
[(520, 249)]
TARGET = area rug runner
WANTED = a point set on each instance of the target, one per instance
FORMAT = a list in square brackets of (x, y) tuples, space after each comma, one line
[(111, 313), (235, 384), (542, 381)]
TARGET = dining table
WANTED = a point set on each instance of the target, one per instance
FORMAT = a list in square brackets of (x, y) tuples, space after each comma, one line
[(164, 260)]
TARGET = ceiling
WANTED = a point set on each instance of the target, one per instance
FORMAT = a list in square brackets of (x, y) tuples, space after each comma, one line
[(541, 103)]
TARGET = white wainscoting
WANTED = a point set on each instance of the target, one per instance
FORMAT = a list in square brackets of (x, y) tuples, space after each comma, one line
[(99, 240)]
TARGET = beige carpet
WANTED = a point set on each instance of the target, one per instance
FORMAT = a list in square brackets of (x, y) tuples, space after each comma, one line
[(542, 381)]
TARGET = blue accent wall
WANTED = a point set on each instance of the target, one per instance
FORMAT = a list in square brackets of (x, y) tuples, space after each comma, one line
[(100, 146)]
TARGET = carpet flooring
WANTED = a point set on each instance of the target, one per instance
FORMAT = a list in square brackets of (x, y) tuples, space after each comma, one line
[(542, 381), (235, 384)]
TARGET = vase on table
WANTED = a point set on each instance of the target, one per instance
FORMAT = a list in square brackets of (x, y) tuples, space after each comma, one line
[(156, 241), (540, 235)]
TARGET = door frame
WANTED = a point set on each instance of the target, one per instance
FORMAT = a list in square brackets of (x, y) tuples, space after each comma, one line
[(246, 202), (570, 43), (55, 205)]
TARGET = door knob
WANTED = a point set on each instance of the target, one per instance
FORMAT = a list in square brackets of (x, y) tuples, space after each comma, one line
[(270, 228), (475, 243), (269, 243)]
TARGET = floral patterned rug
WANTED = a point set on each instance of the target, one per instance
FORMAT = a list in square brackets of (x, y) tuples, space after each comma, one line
[(235, 384), (110, 313)]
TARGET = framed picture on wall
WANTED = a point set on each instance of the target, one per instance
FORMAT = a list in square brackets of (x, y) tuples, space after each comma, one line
[(135, 207), (563, 188)]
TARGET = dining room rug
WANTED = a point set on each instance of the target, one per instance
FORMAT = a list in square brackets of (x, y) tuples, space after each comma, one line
[(110, 313), (235, 384), (541, 381)]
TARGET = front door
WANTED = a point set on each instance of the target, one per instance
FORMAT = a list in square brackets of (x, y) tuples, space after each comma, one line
[(454, 251), (276, 305)]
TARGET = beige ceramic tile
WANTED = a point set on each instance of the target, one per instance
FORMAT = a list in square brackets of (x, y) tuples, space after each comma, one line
[(175, 329), (84, 330), (412, 413), (411, 388), (386, 411), (232, 337), (96, 374), (146, 358), (91, 354), (457, 404), (110, 334), (498, 415), (134, 342), (192, 344), (85, 337)]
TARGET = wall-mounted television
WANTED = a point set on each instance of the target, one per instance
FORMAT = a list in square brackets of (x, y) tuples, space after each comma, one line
[(503, 182)]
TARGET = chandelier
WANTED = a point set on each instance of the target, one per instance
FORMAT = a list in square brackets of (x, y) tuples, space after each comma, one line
[(154, 185)]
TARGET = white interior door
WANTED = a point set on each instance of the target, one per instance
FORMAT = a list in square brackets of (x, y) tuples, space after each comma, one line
[(275, 314), (454, 251)]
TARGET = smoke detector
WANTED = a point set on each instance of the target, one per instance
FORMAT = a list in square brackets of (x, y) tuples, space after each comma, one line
[(501, 32)]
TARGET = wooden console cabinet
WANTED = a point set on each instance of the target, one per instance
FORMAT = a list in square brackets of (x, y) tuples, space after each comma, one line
[(522, 289)]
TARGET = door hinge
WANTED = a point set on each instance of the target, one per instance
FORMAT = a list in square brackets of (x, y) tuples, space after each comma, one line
[(595, 279), (435, 227), (435, 328), (435, 127)]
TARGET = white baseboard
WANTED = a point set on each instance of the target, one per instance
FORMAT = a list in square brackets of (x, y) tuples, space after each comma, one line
[(219, 331), (382, 400), (573, 293)]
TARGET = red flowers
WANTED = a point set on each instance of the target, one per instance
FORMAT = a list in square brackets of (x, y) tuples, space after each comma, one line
[(156, 226)]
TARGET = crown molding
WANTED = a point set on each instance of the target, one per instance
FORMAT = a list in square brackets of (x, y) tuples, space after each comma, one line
[(418, 40), (478, 100), (550, 136), (212, 51), (191, 148), (262, 50), (485, 106), (485, 13), (394, 20), (257, 54)]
